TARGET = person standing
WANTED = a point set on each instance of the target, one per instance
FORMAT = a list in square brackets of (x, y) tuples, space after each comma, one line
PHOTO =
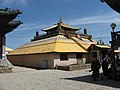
[(105, 67), (95, 66)]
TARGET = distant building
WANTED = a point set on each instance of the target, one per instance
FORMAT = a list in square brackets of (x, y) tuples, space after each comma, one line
[(8, 50), (99, 51), (60, 46)]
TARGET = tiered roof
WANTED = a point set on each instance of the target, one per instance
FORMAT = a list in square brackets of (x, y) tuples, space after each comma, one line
[(10, 26), (62, 25), (6, 15), (67, 42), (6, 20), (56, 29)]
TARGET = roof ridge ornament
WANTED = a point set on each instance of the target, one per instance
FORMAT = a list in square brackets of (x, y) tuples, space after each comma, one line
[(60, 20), (59, 24)]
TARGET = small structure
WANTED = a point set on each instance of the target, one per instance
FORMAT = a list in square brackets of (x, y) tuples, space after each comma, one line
[(8, 50), (99, 50), (7, 24), (61, 46)]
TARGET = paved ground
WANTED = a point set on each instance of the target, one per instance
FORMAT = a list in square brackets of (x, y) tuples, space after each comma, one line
[(31, 79)]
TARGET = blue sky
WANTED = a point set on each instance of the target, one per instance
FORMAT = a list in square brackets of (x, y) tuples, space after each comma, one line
[(37, 14)]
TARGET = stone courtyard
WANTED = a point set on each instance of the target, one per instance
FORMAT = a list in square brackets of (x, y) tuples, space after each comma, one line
[(31, 79)]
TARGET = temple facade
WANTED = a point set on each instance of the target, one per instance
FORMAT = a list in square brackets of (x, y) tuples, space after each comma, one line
[(60, 46)]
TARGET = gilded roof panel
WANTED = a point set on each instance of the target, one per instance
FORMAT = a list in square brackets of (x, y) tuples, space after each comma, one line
[(63, 25), (103, 46), (68, 47), (68, 26), (84, 42), (54, 44)]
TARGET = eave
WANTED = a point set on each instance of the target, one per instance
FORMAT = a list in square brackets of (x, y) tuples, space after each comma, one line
[(10, 26), (114, 4), (62, 25)]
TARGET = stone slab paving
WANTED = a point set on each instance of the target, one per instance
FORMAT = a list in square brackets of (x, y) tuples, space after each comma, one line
[(32, 79)]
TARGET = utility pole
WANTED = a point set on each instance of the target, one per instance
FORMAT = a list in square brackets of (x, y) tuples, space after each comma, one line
[(113, 56), (113, 38)]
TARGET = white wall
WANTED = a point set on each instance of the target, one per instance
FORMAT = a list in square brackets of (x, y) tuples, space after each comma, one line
[(34, 60), (71, 59), (37, 60)]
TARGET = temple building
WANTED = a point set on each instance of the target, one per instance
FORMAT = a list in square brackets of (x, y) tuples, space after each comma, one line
[(61, 45), (99, 50)]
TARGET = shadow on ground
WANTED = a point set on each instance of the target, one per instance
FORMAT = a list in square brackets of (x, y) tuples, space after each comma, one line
[(88, 79)]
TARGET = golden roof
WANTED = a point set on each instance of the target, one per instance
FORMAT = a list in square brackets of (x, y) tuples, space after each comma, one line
[(84, 42), (103, 46), (117, 51), (55, 25), (63, 25), (57, 43), (8, 49)]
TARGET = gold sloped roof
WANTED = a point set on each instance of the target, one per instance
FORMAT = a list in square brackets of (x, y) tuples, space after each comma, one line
[(84, 42), (54, 44), (68, 26), (43, 48), (117, 51), (103, 46), (55, 25), (63, 25), (68, 47), (8, 49)]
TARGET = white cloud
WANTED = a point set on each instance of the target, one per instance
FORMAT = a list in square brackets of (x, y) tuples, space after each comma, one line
[(32, 28), (65, 0), (11, 2), (101, 18), (106, 18)]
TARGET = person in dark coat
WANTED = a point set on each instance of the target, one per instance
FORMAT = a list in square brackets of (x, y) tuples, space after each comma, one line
[(110, 72), (95, 66), (105, 67)]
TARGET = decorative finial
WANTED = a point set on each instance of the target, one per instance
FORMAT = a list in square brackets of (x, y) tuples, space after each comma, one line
[(60, 19), (37, 33)]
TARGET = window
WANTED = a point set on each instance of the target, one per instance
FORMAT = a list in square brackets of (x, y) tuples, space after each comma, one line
[(78, 55), (63, 56)]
